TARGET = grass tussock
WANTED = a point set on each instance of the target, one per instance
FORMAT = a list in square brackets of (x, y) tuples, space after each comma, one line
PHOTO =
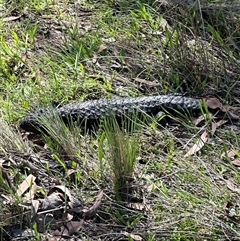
[(59, 136), (123, 150)]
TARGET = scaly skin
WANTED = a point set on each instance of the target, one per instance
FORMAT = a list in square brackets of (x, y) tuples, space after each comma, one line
[(90, 112)]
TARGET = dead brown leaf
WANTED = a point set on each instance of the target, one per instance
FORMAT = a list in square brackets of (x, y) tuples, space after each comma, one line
[(95, 55), (198, 145), (11, 18), (34, 207), (69, 228), (204, 138), (94, 59), (71, 173), (215, 125), (28, 183), (214, 103), (24, 57), (236, 162), (198, 120), (87, 214), (31, 193), (232, 153), (232, 186), (146, 82), (135, 237), (101, 48)]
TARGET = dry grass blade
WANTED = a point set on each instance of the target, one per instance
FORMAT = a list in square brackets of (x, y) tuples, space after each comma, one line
[(68, 138), (10, 140)]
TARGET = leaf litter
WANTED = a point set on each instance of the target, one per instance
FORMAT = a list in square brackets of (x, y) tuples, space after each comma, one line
[(59, 210), (213, 104)]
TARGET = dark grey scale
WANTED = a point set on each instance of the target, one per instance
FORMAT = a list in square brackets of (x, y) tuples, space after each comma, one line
[(91, 112)]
